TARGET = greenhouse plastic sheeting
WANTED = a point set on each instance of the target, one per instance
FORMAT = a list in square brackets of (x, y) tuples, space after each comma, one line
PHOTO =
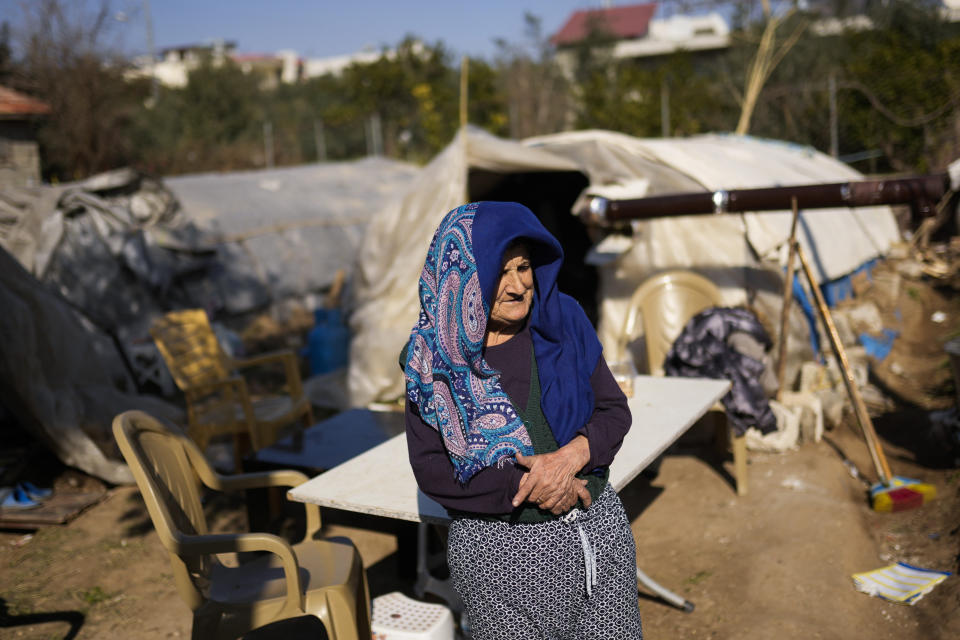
[(741, 253)]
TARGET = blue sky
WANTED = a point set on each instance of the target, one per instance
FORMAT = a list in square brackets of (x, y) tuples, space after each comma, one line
[(319, 28)]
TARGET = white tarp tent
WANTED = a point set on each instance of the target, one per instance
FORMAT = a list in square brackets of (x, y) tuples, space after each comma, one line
[(741, 253), (737, 252), (297, 225), (86, 267), (384, 304)]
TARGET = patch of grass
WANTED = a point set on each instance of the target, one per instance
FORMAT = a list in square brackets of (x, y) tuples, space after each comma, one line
[(18, 606), (93, 595), (698, 577), (120, 546)]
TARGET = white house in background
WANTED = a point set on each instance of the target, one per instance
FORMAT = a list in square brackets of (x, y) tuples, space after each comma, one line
[(283, 67), (951, 10), (676, 33), (335, 65), (637, 35), (175, 63)]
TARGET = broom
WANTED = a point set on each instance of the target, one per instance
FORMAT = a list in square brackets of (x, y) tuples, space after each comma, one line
[(892, 493)]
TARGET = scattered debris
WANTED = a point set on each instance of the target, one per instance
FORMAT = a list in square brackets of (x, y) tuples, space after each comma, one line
[(22, 540), (920, 307), (811, 413), (786, 436), (899, 582)]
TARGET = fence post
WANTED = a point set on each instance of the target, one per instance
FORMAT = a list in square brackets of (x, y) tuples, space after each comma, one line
[(320, 140), (268, 144), (374, 136)]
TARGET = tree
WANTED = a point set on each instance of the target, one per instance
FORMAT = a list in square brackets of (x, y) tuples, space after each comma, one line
[(895, 84), (410, 91), (6, 53), (537, 93), (487, 107), (214, 123), (65, 62), (901, 91)]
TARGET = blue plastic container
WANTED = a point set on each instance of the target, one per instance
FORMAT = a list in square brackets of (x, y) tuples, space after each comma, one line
[(328, 343)]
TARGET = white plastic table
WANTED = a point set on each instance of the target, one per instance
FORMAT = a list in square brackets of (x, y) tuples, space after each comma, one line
[(380, 481)]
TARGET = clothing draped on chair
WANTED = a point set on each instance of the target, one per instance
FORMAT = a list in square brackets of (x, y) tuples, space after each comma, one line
[(703, 350)]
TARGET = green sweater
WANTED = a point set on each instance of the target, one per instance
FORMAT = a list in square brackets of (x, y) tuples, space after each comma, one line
[(543, 442)]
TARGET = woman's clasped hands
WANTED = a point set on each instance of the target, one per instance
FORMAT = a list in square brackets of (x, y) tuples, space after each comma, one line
[(550, 481)]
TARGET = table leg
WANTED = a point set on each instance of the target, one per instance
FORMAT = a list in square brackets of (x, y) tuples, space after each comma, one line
[(426, 583), (663, 592)]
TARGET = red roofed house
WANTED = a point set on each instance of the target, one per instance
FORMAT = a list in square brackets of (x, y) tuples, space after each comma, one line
[(623, 23), (19, 152), (637, 35)]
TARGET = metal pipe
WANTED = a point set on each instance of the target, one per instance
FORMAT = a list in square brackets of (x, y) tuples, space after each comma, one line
[(921, 192)]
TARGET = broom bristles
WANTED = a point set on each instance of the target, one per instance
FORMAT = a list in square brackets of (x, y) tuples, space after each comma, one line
[(901, 494)]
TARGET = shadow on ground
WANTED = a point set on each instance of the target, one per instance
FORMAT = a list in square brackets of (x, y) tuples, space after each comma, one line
[(74, 619)]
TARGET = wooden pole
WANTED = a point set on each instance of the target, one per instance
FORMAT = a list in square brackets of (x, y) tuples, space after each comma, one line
[(320, 140), (464, 85), (268, 144), (664, 108), (787, 299), (859, 408), (834, 120)]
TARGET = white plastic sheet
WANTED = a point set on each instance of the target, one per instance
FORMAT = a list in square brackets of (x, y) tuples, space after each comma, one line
[(740, 253)]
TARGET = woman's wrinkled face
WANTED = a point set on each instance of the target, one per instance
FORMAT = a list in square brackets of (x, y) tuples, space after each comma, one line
[(515, 288)]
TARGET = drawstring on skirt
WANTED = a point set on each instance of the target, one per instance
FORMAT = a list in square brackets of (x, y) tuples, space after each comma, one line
[(589, 554)]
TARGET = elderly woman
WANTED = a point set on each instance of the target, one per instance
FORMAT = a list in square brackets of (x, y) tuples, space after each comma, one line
[(512, 420)]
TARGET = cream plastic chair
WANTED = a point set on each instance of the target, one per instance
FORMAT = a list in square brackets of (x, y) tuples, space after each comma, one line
[(324, 578), (218, 400), (666, 302)]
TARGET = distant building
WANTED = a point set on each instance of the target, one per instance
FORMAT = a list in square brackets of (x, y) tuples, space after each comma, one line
[(951, 10), (284, 67), (629, 22), (635, 34), (335, 65), (174, 64), (19, 152), (855, 18)]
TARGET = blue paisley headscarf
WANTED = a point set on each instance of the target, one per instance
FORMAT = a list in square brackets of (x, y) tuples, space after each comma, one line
[(448, 379)]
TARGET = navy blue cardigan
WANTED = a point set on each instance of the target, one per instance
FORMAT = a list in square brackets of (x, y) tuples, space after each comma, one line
[(491, 490)]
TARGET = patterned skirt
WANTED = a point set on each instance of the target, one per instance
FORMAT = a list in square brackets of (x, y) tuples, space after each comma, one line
[(573, 578)]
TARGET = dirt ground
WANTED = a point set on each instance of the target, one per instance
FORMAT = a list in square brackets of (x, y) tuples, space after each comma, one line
[(776, 563), (773, 564)]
